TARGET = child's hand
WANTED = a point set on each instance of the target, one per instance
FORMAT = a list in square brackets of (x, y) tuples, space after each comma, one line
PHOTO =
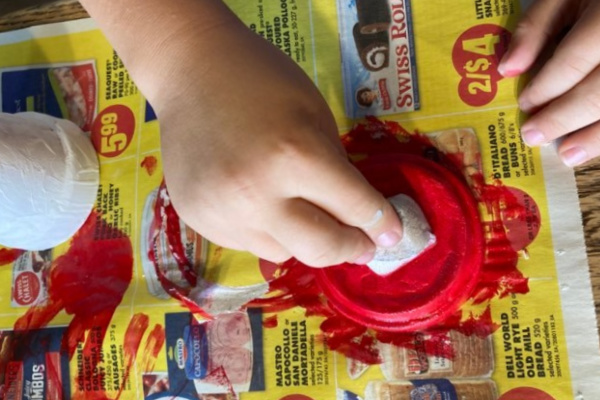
[(564, 96), (251, 153), (253, 160)]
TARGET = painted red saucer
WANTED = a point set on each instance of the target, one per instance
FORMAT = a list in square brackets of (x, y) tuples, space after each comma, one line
[(434, 285)]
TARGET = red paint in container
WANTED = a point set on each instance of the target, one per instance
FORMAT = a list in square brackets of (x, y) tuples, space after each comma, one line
[(433, 286), (475, 258)]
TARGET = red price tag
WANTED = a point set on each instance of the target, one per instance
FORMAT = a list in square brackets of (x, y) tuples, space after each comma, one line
[(113, 130), (476, 55), (526, 393)]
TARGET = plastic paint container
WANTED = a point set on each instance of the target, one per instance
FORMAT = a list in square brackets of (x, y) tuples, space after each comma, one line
[(434, 285)]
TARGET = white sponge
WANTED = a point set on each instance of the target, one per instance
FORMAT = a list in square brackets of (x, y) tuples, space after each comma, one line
[(416, 239)]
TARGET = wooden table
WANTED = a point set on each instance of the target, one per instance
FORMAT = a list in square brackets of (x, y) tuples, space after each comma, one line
[(13, 15)]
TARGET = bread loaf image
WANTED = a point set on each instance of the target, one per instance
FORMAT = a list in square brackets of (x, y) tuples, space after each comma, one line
[(473, 357), (373, 49)]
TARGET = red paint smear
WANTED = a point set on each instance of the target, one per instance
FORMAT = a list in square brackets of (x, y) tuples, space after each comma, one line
[(268, 269), (218, 377), (167, 220), (270, 322), (54, 378), (88, 282), (8, 256), (297, 284), (154, 343), (165, 212), (131, 343), (149, 163)]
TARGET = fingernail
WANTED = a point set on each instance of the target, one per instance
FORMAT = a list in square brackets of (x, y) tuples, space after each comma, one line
[(388, 239), (533, 137), (502, 64), (376, 218), (365, 258), (502, 67), (511, 73), (506, 71), (525, 106), (574, 156)]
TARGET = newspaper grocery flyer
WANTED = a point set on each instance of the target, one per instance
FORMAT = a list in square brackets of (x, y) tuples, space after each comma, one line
[(107, 326)]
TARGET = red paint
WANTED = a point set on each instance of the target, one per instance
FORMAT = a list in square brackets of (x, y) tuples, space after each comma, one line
[(268, 269), (131, 343), (410, 288), (167, 220), (149, 163), (218, 377), (88, 282), (8, 256), (521, 218), (433, 286), (154, 343), (500, 275), (165, 212), (511, 215), (270, 322), (54, 378), (350, 339)]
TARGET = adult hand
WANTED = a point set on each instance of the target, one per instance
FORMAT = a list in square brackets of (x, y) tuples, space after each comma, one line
[(563, 98)]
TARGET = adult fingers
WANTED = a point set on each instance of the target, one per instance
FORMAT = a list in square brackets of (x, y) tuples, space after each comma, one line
[(542, 21), (581, 146), (577, 55), (316, 238), (556, 119)]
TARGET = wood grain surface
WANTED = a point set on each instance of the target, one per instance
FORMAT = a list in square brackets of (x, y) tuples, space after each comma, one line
[(15, 14)]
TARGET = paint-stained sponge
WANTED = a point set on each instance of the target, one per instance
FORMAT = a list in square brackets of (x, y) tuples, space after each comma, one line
[(416, 239)]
